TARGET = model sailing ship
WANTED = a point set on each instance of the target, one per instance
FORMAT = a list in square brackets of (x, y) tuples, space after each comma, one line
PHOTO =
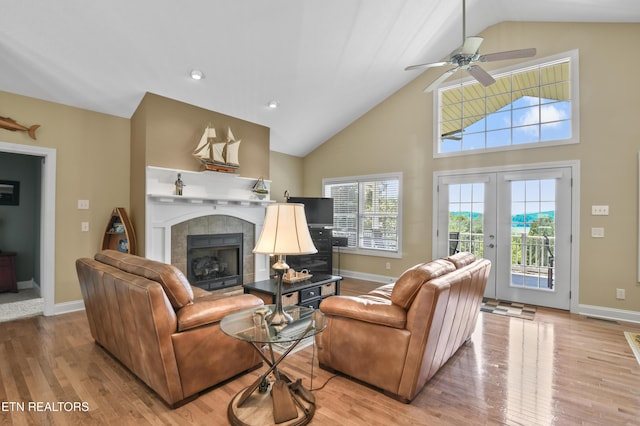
[(260, 188), (216, 155)]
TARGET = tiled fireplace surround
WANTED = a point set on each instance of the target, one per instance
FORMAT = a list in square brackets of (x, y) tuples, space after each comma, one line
[(212, 203)]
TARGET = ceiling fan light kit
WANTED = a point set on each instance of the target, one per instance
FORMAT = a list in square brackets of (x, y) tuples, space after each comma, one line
[(466, 56)]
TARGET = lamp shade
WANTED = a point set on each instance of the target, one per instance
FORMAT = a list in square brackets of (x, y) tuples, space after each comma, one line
[(285, 231)]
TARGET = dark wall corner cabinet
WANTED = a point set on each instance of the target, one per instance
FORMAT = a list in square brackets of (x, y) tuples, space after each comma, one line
[(119, 234), (320, 262), (8, 280)]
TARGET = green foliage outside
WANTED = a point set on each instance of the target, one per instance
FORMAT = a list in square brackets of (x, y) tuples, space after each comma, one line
[(527, 248)]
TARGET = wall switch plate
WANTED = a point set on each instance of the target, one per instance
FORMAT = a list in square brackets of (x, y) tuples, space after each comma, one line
[(599, 210), (388, 265), (84, 226), (83, 204), (620, 293), (597, 232)]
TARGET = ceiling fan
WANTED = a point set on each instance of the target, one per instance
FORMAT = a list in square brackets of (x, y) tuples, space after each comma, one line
[(466, 56)]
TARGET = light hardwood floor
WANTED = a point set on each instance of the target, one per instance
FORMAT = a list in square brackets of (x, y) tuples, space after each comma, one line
[(560, 369)]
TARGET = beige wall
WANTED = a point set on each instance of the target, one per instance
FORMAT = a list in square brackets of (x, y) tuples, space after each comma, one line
[(138, 153), (96, 161), (286, 175), (397, 135), (164, 133), (94, 155), (92, 152)]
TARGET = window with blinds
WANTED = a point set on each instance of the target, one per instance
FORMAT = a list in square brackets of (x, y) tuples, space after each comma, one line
[(532, 105), (367, 211)]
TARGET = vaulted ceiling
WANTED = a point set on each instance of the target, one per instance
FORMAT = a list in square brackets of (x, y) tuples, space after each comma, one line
[(326, 62)]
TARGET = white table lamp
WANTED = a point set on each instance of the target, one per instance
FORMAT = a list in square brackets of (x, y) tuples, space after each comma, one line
[(284, 232)]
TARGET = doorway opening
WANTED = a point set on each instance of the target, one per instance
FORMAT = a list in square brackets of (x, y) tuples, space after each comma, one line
[(46, 234)]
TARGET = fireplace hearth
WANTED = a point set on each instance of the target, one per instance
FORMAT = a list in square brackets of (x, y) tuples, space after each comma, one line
[(214, 261)]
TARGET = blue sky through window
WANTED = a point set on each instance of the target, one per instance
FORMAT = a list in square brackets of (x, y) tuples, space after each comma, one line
[(528, 119)]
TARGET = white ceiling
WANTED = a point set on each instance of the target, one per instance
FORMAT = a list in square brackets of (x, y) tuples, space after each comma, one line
[(326, 62)]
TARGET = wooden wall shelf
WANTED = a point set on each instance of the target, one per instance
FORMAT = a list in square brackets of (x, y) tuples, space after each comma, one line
[(119, 234)]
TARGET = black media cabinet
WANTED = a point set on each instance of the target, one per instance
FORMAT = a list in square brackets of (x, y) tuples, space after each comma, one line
[(320, 262)]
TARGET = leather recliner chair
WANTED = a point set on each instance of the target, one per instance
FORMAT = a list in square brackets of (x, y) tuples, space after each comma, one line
[(399, 335), (147, 315)]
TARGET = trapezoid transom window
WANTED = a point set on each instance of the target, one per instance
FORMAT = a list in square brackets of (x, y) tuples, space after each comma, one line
[(532, 105)]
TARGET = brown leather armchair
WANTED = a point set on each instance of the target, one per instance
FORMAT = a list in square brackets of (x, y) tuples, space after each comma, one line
[(398, 336), (147, 315)]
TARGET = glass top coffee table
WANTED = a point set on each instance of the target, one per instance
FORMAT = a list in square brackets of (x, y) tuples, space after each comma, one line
[(250, 325)]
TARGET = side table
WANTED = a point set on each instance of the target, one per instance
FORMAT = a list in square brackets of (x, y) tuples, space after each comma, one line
[(305, 293), (251, 407), (8, 280)]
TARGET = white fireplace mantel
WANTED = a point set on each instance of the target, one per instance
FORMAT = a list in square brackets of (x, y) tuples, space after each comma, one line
[(204, 193)]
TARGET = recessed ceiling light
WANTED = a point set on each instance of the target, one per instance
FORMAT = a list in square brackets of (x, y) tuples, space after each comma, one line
[(273, 104), (197, 74)]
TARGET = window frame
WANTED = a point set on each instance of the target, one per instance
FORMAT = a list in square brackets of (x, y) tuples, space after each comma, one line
[(574, 86), (396, 254)]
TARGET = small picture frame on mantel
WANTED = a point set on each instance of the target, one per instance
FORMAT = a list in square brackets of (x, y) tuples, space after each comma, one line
[(9, 192)]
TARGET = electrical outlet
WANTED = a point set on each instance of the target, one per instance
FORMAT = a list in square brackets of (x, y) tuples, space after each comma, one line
[(388, 265), (84, 226), (597, 232), (599, 210), (83, 204), (620, 293)]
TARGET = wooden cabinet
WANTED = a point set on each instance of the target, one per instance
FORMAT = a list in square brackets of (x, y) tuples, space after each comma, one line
[(8, 280), (304, 293), (119, 234)]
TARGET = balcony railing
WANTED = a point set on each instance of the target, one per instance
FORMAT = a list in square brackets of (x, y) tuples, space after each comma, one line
[(531, 255)]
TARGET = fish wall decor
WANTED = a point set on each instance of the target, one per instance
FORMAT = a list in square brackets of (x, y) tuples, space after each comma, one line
[(10, 124)]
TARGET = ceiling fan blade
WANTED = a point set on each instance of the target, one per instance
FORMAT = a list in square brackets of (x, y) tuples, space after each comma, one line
[(440, 79), (481, 75), (471, 45), (433, 64), (511, 54), (455, 135)]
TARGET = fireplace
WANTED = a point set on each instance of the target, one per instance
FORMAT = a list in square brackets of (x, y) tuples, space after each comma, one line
[(212, 203), (214, 261)]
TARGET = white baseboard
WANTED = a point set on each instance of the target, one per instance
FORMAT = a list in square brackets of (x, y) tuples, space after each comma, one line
[(68, 307), (364, 276), (23, 285), (609, 313), (587, 310)]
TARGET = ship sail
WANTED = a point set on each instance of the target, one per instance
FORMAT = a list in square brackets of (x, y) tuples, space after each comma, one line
[(204, 149), (216, 155), (233, 149), (218, 152)]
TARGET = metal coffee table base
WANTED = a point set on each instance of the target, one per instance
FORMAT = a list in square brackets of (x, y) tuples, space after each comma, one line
[(256, 408)]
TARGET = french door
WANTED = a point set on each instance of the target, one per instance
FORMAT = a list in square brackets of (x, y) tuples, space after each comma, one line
[(518, 219)]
